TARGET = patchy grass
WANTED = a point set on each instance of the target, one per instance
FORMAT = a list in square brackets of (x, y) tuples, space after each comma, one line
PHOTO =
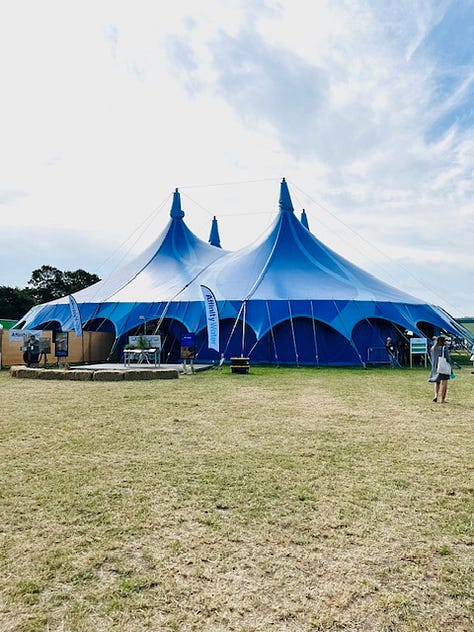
[(287, 499)]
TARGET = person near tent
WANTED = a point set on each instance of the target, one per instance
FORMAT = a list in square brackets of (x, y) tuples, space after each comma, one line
[(391, 349), (404, 352), (31, 352), (440, 380), (472, 358)]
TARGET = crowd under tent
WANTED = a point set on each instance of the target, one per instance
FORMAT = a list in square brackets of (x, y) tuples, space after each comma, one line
[(285, 299)]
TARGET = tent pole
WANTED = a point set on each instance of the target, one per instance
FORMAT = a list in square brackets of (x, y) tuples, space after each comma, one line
[(233, 329), (162, 317), (293, 333), (272, 334), (314, 334), (112, 350), (243, 329)]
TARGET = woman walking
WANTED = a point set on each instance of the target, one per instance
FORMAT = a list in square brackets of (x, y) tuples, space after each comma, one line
[(439, 350)]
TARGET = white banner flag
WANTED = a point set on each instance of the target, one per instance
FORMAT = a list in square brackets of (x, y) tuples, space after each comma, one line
[(76, 316), (17, 335), (212, 316)]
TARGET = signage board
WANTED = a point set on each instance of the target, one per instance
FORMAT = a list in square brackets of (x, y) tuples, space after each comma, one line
[(61, 344), (418, 346), (188, 348)]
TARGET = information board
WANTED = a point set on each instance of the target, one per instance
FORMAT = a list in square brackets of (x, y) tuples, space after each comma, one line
[(418, 346), (188, 348), (61, 344)]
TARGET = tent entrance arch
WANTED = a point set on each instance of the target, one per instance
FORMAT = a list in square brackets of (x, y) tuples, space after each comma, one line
[(305, 341), (370, 335), (49, 325), (427, 329), (171, 331), (99, 324)]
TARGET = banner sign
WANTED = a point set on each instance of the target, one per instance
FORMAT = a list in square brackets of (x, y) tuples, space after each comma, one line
[(188, 349), (44, 345), (61, 344), (212, 316), (17, 335), (151, 341), (418, 346), (76, 316)]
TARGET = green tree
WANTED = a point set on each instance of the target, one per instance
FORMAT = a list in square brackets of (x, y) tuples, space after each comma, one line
[(48, 283), (14, 303), (78, 280)]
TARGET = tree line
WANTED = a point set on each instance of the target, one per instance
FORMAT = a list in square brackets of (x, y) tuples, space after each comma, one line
[(46, 284)]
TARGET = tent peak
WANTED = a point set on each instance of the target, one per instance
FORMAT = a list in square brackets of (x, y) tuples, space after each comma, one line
[(176, 211), (285, 202)]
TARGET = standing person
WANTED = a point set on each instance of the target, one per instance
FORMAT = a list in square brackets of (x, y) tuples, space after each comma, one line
[(404, 352), (440, 379), (472, 358), (391, 352), (31, 352)]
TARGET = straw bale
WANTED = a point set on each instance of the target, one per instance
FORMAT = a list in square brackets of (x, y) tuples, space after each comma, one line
[(49, 374), (83, 375), (137, 374), (150, 374), (108, 376), (165, 374), (22, 371)]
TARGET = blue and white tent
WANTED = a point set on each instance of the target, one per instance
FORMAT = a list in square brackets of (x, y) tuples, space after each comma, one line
[(286, 299)]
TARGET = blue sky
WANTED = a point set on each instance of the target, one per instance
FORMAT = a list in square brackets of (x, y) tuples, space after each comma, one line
[(365, 107)]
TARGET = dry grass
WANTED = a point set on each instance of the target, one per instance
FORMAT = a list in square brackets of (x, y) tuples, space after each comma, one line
[(285, 500)]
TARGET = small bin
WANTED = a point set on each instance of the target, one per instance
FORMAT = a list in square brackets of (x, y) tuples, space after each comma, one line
[(239, 365)]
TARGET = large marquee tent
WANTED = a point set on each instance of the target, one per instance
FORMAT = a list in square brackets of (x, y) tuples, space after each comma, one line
[(285, 299)]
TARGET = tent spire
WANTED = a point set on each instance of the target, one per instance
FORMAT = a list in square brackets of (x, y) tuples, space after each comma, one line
[(285, 203), (214, 238), (176, 211), (304, 219)]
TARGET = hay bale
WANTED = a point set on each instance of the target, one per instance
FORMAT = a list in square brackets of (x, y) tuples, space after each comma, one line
[(84, 375), (108, 376), (22, 371), (49, 374), (165, 374), (137, 374)]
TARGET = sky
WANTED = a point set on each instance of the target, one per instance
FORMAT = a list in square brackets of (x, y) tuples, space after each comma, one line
[(366, 107)]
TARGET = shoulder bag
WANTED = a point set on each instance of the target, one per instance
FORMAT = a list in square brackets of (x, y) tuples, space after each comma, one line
[(443, 365)]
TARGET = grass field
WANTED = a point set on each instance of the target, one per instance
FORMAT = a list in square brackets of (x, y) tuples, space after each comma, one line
[(283, 500)]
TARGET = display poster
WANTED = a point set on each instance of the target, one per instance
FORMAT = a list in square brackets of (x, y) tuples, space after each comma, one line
[(188, 348), (19, 335), (61, 344), (44, 345), (145, 341)]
